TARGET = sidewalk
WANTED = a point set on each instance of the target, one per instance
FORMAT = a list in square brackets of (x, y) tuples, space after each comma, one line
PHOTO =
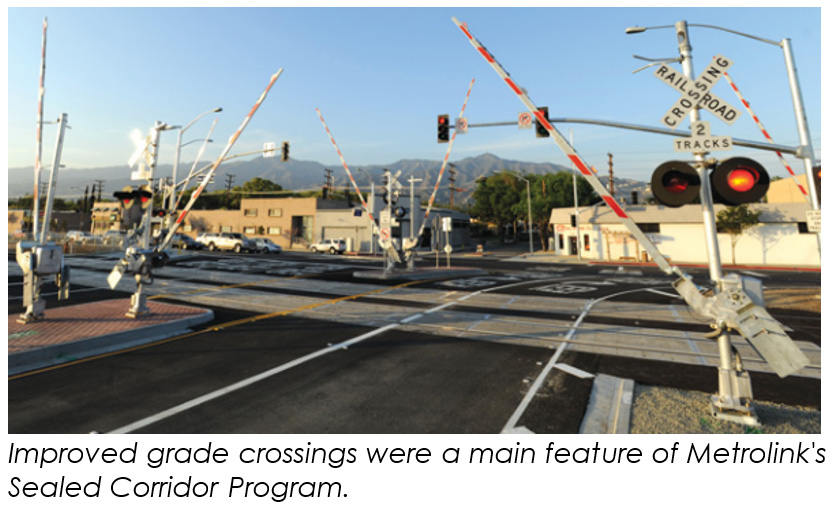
[(75, 332)]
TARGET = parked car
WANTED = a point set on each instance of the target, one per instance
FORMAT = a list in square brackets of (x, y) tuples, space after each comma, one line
[(184, 242), (333, 246), (265, 245), (80, 237), (226, 241)]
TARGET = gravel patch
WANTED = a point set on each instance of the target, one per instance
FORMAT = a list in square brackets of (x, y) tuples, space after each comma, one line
[(658, 410)]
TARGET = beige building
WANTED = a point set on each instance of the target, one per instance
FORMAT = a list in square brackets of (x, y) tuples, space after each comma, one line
[(786, 191)]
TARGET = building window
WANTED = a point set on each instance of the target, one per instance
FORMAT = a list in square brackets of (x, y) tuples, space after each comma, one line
[(249, 230), (649, 228), (187, 228), (274, 230), (275, 213), (250, 213), (587, 241), (225, 228)]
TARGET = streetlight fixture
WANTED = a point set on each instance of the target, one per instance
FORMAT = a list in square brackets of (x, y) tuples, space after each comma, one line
[(529, 215), (182, 130), (806, 147)]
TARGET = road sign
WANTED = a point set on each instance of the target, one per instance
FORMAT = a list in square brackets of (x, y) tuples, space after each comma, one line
[(697, 93), (446, 224), (702, 141), (269, 150), (461, 125), (385, 233), (814, 221), (525, 120)]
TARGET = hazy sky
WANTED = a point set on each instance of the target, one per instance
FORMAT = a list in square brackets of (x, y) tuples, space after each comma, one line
[(381, 76)]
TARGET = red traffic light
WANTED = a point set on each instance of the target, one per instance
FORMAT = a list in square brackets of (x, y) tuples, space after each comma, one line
[(675, 184), (443, 128), (738, 181)]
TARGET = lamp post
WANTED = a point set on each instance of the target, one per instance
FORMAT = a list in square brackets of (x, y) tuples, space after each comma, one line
[(529, 215), (182, 130), (806, 148)]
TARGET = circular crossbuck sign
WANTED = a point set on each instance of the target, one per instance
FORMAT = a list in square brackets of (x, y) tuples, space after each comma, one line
[(525, 120), (384, 233)]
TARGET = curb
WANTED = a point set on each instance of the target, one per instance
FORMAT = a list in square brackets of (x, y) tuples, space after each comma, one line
[(30, 360), (609, 407)]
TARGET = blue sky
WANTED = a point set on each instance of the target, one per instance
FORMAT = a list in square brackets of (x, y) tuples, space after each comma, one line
[(381, 76)]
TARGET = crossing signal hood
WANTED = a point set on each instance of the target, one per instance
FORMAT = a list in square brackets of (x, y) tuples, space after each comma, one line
[(541, 131), (675, 184), (126, 197), (443, 128), (739, 180), (144, 197)]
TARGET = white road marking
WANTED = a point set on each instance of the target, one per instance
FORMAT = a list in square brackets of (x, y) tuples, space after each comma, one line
[(579, 373), (247, 382)]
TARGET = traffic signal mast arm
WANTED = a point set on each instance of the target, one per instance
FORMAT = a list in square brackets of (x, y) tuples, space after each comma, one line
[(219, 160), (565, 146), (440, 173)]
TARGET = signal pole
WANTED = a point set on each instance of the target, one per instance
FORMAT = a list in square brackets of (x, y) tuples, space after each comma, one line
[(228, 186)]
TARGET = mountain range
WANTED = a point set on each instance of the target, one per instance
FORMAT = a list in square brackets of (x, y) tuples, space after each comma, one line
[(309, 175)]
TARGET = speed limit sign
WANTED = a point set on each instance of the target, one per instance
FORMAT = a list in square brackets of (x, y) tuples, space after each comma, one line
[(525, 120)]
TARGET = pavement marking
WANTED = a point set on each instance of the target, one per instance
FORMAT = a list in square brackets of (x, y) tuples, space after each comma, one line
[(689, 339), (439, 308), (247, 382), (412, 318), (579, 373)]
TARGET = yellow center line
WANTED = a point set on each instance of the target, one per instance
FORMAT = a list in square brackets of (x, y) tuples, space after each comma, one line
[(233, 323)]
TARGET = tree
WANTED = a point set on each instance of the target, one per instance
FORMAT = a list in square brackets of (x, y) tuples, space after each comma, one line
[(496, 199), (734, 221)]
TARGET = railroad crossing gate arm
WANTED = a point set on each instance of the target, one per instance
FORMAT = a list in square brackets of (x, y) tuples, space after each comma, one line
[(571, 153)]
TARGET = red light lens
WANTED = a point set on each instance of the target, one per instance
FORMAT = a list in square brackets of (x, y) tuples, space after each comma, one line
[(441, 121), (676, 183), (741, 180)]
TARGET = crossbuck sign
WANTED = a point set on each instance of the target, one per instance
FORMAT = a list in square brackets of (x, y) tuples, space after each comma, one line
[(693, 94)]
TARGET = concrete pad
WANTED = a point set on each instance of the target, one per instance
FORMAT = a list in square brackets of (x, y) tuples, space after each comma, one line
[(84, 330), (609, 408)]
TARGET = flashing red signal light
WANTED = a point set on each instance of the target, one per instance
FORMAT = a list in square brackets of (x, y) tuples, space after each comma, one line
[(738, 181), (125, 196), (675, 184)]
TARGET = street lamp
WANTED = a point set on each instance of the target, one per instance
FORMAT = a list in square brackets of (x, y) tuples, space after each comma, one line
[(529, 215), (806, 147), (172, 198)]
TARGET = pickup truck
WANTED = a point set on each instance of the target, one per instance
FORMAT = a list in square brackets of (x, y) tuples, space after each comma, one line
[(226, 241)]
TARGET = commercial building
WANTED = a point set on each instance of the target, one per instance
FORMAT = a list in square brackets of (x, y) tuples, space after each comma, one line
[(781, 237)]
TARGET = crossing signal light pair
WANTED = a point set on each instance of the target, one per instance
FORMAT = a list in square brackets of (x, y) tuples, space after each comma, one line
[(443, 128), (135, 203), (734, 181), (541, 131)]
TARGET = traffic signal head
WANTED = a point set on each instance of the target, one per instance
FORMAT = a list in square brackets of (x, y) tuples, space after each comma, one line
[(125, 196), (541, 131), (159, 213), (817, 181), (144, 196), (675, 184), (284, 151), (443, 128), (738, 181)]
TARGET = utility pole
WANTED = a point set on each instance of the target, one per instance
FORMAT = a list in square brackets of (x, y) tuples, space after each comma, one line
[(611, 174), (229, 185), (100, 183)]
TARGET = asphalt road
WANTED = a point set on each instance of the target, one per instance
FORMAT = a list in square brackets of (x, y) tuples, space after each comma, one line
[(406, 379)]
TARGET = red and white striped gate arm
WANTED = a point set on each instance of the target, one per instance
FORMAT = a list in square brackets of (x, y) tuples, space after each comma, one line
[(443, 166), (218, 162), (349, 173), (565, 146), (766, 135)]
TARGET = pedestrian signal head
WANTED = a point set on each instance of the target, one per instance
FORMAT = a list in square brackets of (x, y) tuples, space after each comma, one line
[(738, 181), (675, 184)]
